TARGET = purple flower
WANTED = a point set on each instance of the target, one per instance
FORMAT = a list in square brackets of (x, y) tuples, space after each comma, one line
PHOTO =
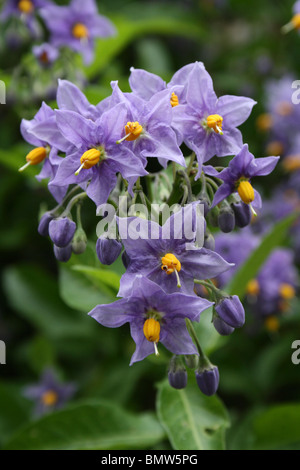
[(237, 176), (43, 133), (208, 124), (94, 156), (24, 9), (49, 394), (46, 54), (154, 316), (147, 130), (161, 254), (77, 26)]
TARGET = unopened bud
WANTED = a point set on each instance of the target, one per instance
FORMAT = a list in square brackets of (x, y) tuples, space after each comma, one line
[(43, 227), (226, 219), (208, 379), (108, 250), (61, 231), (79, 241), (242, 214), (222, 328), (177, 374), (231, 311), (62, 254)]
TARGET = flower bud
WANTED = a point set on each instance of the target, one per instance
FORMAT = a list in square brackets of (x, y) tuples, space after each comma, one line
[(242, 214), (108, 250), (63, 253), (208, 380), (209, 241), (231, 311), (79, 241), (43, 227), (191, 360), (177, 375), (222, 328), (61, 231), (226, 219)]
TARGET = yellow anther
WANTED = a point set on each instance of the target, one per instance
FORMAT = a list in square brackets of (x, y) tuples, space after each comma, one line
[(272, 323), (286, 291), (80, 31), (26, 6), (170, 263), (174, 100), (246, 191), (34, 157), (253, 287), (284, 108), (49, 398), (291, 163), (296, 21), (133, 130), (151, 330), (89, 159), (275, 147), (264, 122), (214, 121)]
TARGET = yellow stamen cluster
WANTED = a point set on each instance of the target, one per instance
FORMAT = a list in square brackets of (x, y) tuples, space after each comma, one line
[(214, 121), (170, 263), (272, 323), (264, 122), (26, 6), (286, 291), (151, 330), (49, 398), (133, 130), (296, 21), (291, 163), (246, 191), (80, 31), (35, 157), (89, 159), (174, 100), (253, 287)]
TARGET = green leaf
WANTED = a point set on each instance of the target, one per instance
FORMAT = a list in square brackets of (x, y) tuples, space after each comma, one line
[(251, 267), (129, 30), (34, 294), (95, 425), (99, 276), (192, 420), (14, 410)]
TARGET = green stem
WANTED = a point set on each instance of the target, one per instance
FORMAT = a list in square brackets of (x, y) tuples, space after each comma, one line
[(72, 202)]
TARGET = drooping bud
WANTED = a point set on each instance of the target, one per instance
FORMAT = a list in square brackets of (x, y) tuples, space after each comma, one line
[(231, 311), (79, 241), (226, 219), (246, 191), (61, 231), (242, 214), (177, 374), (222, 328), (43, 227), (63, 253), (108, 250), (191, 360), (208, 379), (209, 241)]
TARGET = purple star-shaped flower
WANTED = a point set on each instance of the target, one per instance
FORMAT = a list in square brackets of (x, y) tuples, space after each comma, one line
[(26, 10), (46, 54), (161, 254), (147, 129), (154, 316), (208, 124), (76, 26), (237, 176), (49, 394), (42, 131), (95, 157)]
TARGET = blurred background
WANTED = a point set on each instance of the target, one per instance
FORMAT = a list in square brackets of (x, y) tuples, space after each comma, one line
[(43, 319)]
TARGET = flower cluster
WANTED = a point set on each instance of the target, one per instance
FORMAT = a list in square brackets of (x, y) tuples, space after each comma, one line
[(103, 152)]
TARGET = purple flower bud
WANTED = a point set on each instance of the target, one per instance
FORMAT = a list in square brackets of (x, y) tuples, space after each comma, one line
[(61, 231), (242, 214), (208, 380), (222, 328), (43, 227), (177, 375), (63, 254), (108, 250), (226, 219), (231, 311)]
